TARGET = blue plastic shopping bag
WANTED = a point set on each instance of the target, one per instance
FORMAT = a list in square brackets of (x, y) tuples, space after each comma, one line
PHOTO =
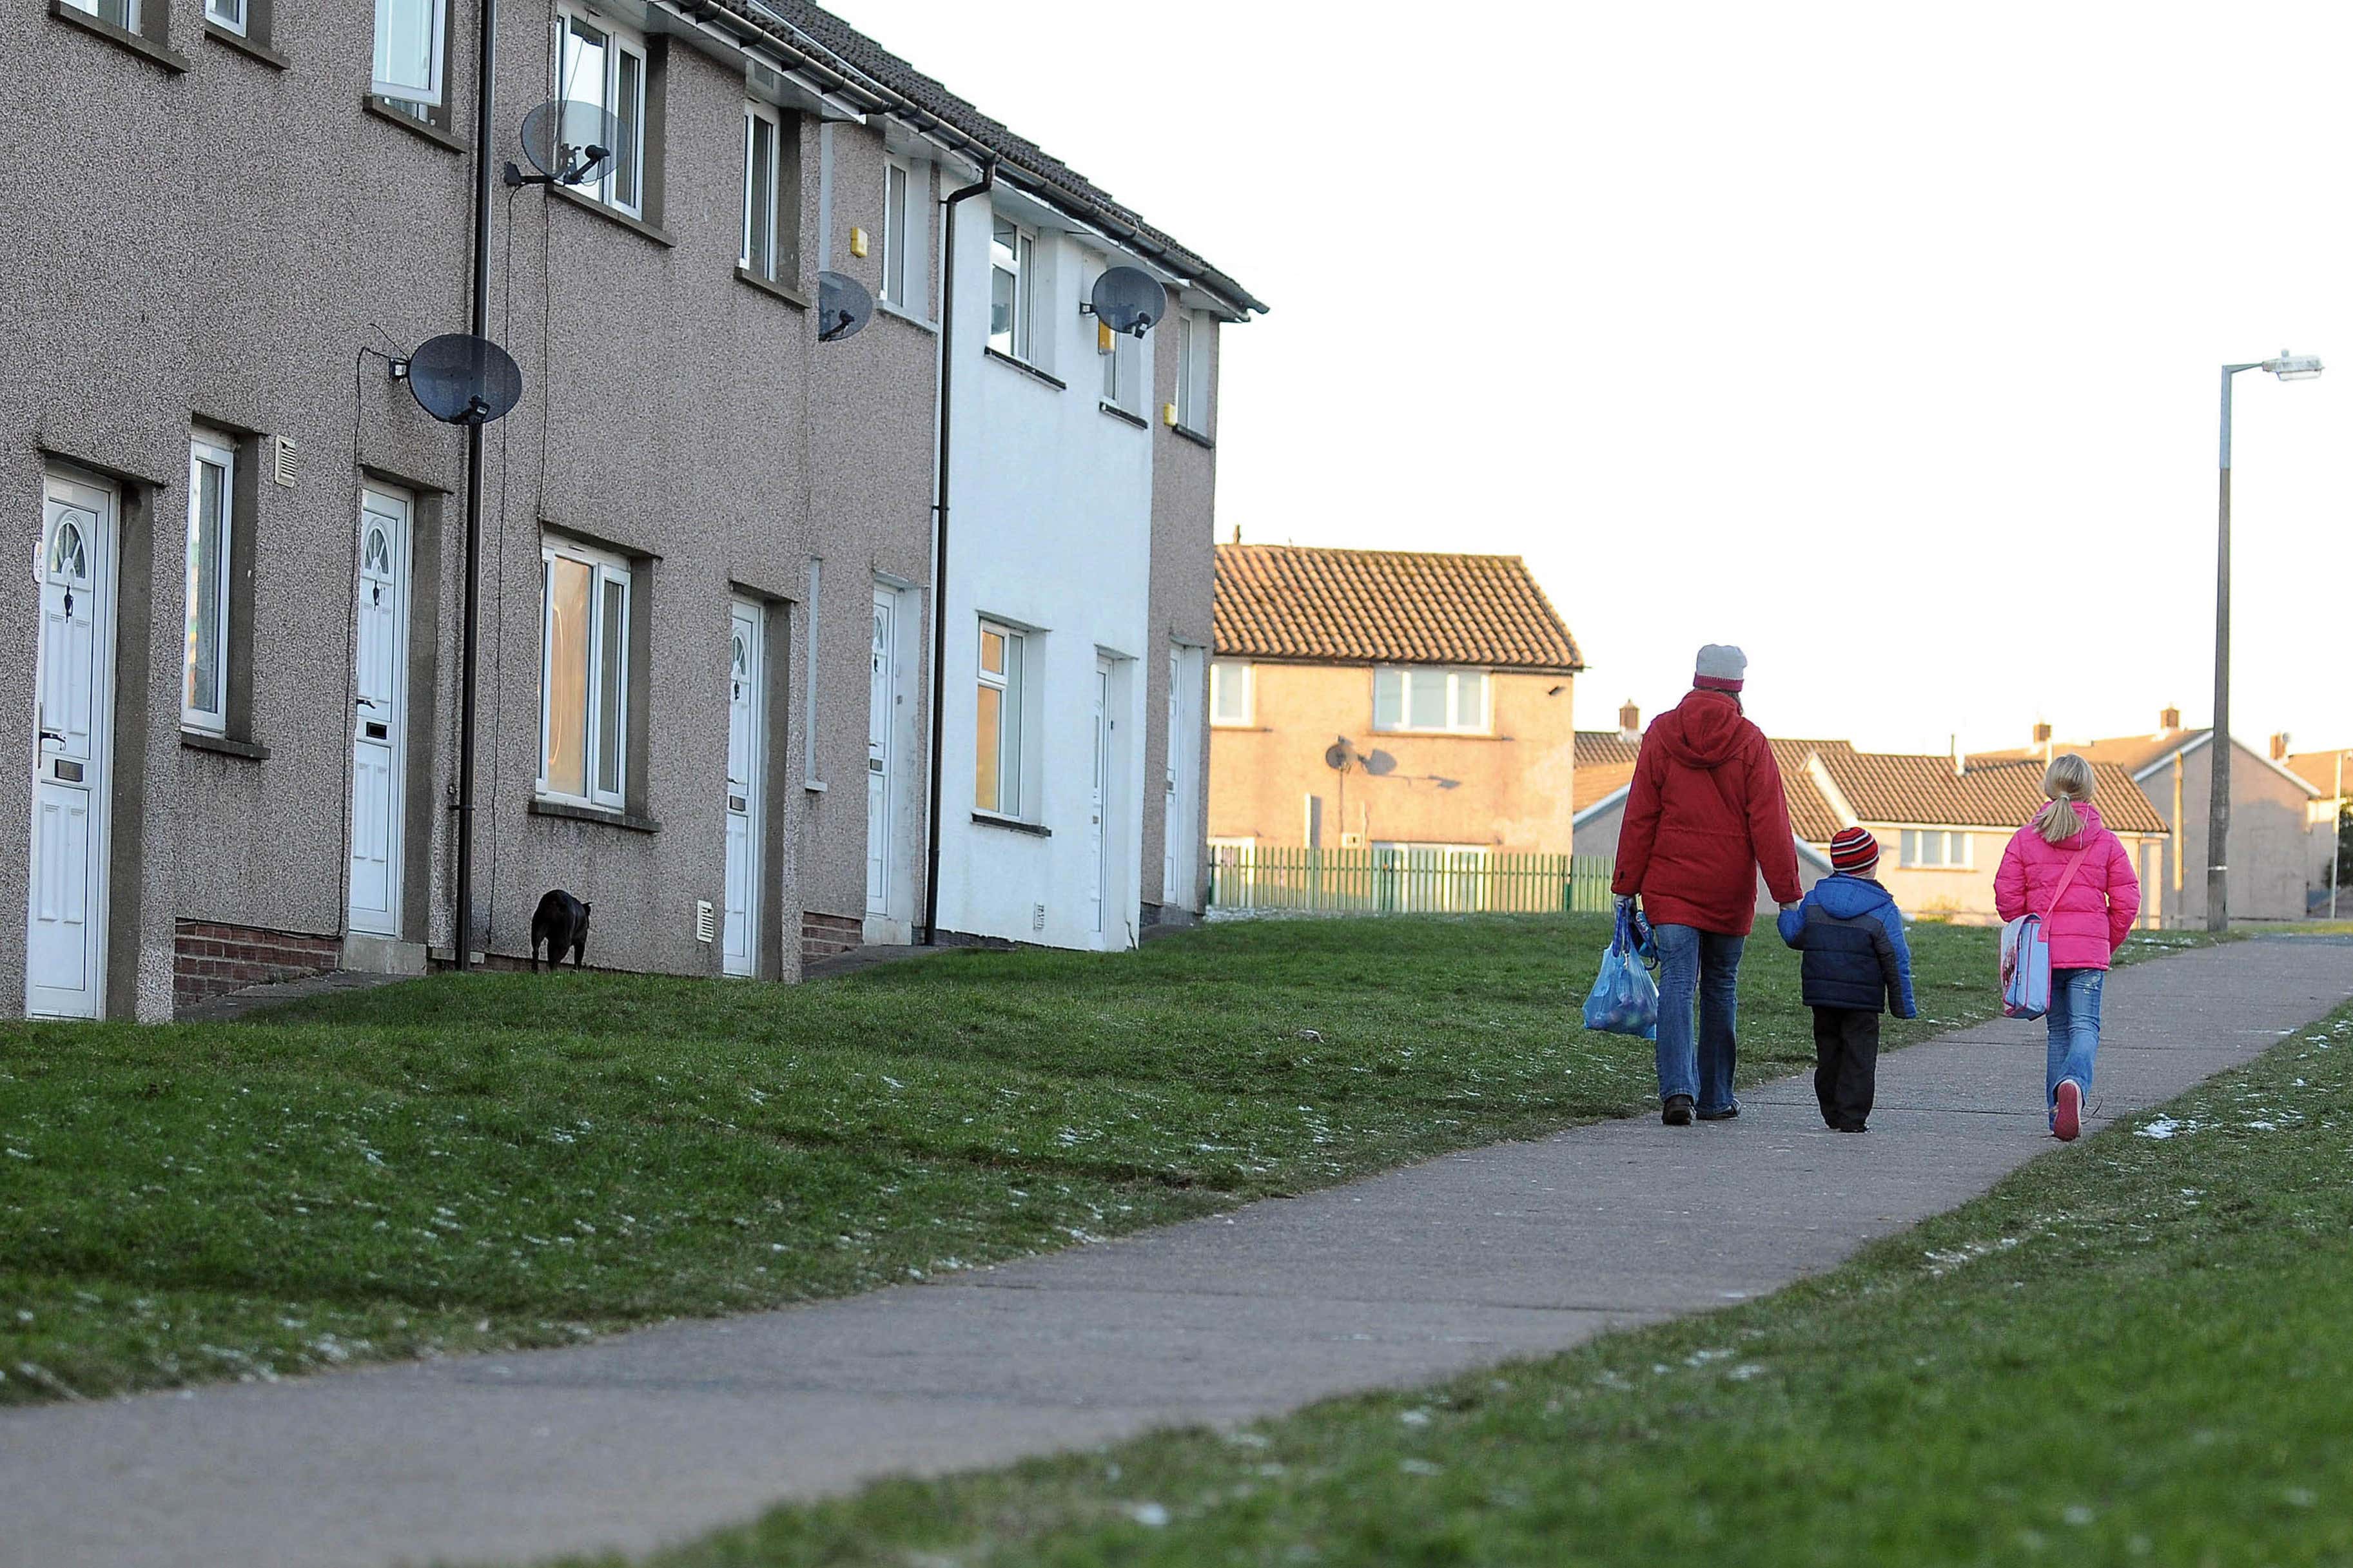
[(1624, 999)]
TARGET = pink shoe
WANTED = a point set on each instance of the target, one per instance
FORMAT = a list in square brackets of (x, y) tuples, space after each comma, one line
[(2067, 1121)]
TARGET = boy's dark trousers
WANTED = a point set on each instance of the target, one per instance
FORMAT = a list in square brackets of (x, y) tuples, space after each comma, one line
[(1846, 1059)]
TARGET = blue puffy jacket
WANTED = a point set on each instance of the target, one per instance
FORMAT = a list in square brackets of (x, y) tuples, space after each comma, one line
[(1852, 936)]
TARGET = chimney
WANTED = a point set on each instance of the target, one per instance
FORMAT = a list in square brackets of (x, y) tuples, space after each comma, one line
[(1960, 764), (1629, 721), (2168, 720), (2279, 747), (2043, 740)]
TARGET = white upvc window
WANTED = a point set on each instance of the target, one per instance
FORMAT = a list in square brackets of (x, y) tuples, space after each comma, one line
[(1193, 332), (1421, 696), (1934, 848), (1232, 693), (123, 14), (997, 709), (764, 141), (227, 14), (204, 685), (410, 39), (901, 276), (1012, 262), (600, 64), (583, 686)]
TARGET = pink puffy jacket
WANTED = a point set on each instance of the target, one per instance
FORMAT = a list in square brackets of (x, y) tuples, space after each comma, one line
[(2102, 902)]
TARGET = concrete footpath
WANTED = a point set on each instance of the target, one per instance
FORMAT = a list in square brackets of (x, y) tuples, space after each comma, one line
[(654, 1436)]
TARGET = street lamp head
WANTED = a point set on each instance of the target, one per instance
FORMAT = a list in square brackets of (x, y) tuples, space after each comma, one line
[(2294, 367)]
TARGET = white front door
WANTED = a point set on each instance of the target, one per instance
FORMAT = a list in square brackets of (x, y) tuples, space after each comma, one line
[(65, 956), (882, 709), (1097, 792), (379, 713), (746, 686)]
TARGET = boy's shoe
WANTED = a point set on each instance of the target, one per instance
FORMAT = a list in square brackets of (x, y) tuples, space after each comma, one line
[(2067, 1120), (1726, 1114), (1851, 1127), (1678, 1111)]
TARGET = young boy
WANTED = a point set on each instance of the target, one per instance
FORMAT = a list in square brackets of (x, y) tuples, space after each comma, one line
[(1856, 961)]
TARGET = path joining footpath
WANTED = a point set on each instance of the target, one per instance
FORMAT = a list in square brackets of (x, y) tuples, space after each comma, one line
[(654, 1436)]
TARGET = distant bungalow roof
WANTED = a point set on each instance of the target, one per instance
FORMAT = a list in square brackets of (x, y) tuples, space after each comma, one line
[(1382, 606)]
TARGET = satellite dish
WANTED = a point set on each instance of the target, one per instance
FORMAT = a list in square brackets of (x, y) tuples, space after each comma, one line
[(570, 143), (1380, 763), (1128, 299), (1337, 757), (843, 305), (464, 380)]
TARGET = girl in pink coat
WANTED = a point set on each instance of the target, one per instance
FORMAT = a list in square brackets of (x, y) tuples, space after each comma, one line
[(2066, 868)]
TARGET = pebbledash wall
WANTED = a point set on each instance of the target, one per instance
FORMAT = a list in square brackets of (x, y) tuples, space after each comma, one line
[(679, 420)]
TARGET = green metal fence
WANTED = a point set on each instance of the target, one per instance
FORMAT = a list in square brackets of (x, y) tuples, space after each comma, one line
[(1405, 881)]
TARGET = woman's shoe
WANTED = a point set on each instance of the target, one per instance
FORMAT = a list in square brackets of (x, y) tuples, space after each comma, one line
[(1678, 1111), (2067, 1120)]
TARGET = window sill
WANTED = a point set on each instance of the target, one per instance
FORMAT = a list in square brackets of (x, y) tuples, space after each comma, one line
[(381, 109), (221, 746), (1444, 734), (138, 44), (605, 814), (785, 292), (244, 46), (1194, 436), (900, 313), (1116, 412), (1012, 825), (815, 786), (1026, 368), (613, 215)]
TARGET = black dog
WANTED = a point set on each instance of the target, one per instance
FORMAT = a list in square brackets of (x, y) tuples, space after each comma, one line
[(561, 921)]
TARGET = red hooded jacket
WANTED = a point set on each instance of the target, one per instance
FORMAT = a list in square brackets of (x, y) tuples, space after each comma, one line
[(1705, 814)]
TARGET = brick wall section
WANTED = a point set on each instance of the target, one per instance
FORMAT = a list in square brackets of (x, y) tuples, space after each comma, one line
[(829, 936), (209, 958)]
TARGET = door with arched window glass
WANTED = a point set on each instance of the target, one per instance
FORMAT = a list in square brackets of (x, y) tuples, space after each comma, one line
[(740, 953), (65, 956), (379, 714)]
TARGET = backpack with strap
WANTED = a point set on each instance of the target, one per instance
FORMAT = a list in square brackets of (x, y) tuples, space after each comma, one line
[(2026, 955)]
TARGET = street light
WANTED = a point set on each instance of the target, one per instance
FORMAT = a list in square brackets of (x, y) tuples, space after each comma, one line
[(2287, 367)]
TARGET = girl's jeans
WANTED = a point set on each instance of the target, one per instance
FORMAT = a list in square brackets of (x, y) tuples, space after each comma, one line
[(2074, 1025), (1701, 965)]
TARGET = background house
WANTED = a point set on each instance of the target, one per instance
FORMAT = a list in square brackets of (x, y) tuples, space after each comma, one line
[(2330, 774), (2272, 853), (1444, 683)]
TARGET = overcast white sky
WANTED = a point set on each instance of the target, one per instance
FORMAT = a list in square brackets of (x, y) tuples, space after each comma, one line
[(1882, 340)]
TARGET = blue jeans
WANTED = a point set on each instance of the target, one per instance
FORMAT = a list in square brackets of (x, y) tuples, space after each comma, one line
[(1695, 964), (2073, 1022)]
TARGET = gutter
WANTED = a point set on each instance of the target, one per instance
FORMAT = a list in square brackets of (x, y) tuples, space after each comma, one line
[(939, 541)]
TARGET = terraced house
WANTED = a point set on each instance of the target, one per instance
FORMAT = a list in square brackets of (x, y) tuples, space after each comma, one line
[(709, 567)]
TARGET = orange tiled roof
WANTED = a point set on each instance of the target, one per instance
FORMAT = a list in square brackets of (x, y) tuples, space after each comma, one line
[(2318, 769), (1605, 764), (2130, 753), (1888, 788), (1381, 606)]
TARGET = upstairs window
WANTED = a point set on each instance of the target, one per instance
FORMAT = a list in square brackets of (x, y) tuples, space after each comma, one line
[(1193, 332), (1442, 701), (228, 14), (900, 277), (1012, 256), (762, 212), (1230, 693), (123, 14), (1934, 849), (584, 676), (409, 40), (601, 65)]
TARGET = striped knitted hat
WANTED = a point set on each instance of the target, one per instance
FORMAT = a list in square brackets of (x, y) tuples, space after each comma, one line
[(1853, 850), (1720, 667)]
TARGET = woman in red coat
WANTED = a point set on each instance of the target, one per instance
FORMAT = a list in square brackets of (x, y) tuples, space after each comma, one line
[(1705, 814)]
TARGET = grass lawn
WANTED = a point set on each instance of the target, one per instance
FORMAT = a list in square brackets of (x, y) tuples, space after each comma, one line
[(2134, 1352), (495, 1160)]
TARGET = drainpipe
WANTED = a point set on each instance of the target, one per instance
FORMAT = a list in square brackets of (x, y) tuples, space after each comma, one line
[(462, 943), (940, 536)]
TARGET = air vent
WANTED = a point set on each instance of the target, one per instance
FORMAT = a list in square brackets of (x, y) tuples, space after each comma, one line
[(1037, 917), (702, 920), (282, 462)]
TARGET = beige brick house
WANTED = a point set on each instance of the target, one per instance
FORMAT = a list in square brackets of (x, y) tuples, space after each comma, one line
[(1373, 699)]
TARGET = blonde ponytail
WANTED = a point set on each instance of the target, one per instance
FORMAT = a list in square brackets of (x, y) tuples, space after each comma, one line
[(2068, 782)]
